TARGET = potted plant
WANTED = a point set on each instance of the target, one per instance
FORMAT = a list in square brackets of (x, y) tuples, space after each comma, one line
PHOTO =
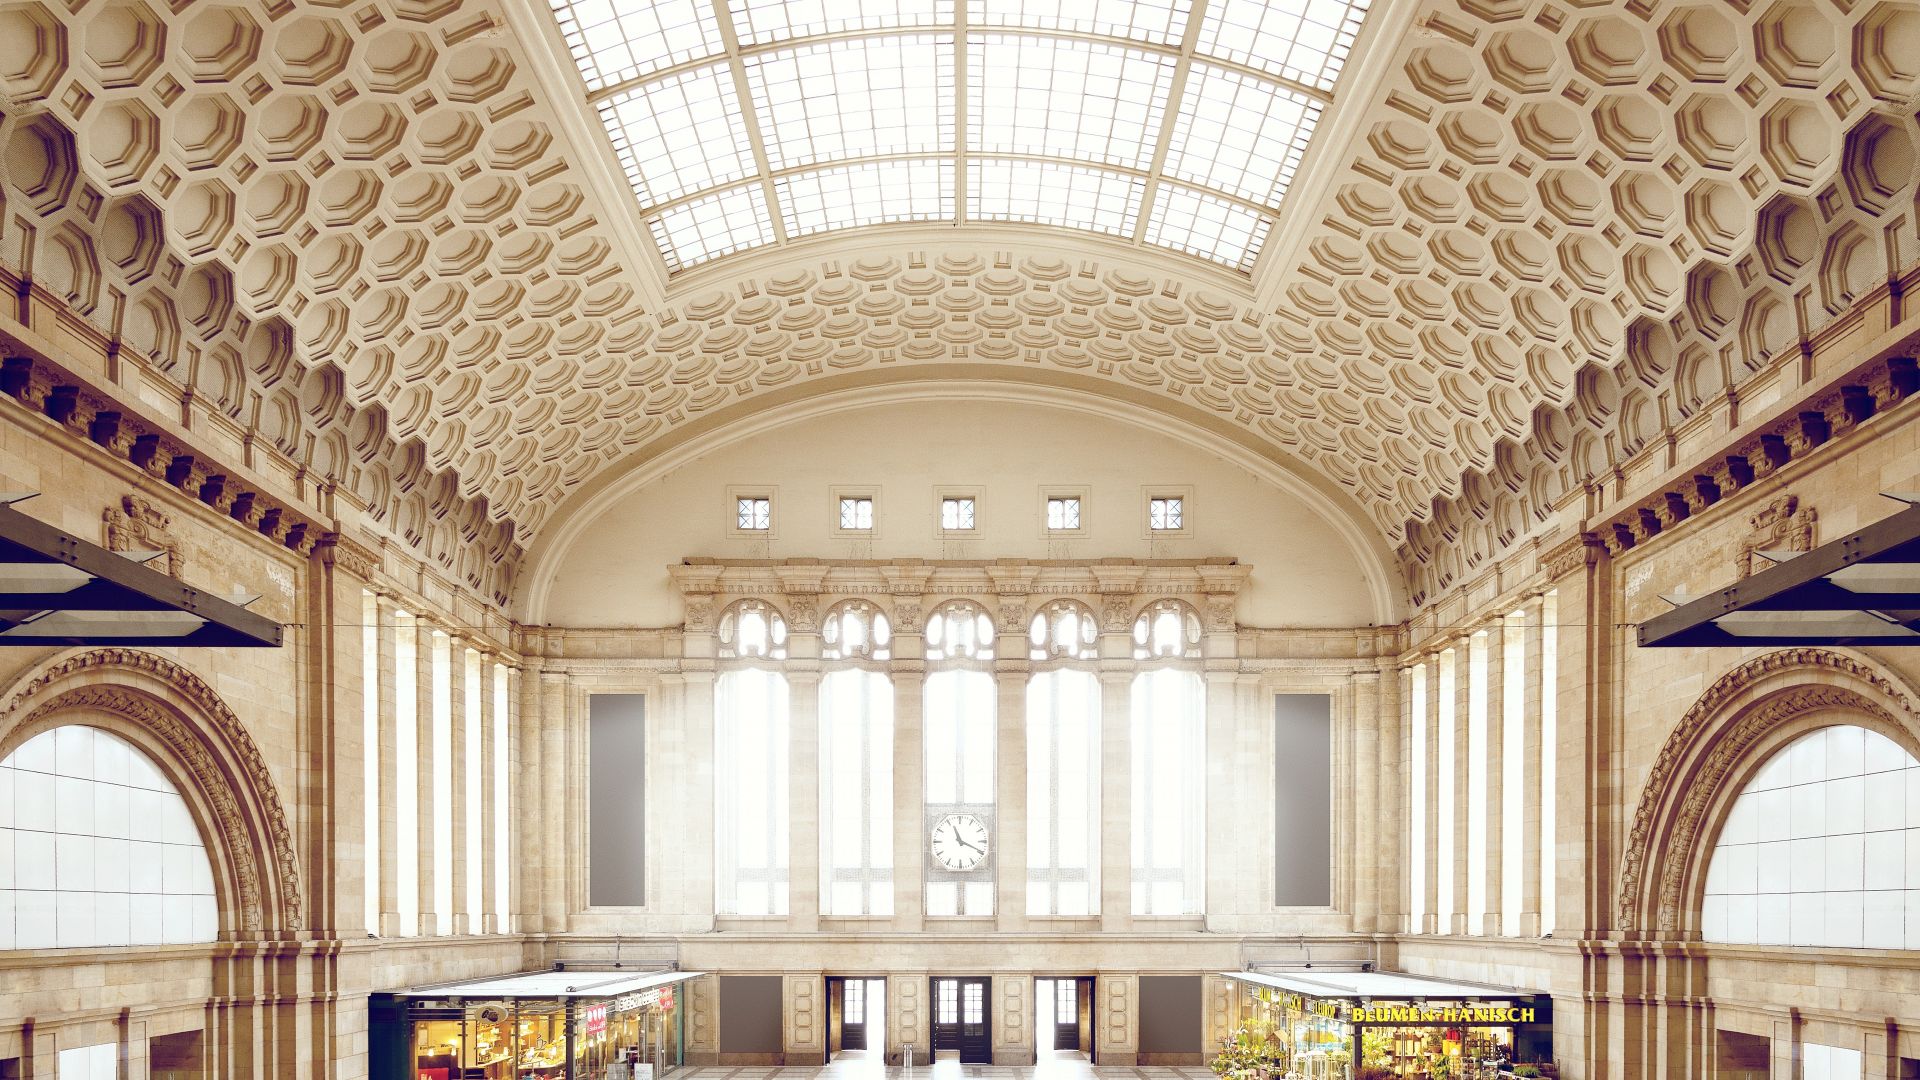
[(1252, 1052)]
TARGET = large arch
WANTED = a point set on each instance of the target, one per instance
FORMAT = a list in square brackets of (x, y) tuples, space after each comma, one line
[(1718, 745), (770, 411), (179, 722)]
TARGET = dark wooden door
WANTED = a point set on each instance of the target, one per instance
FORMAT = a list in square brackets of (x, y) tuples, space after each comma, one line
[(853, 1015), (960, 1019), (1066, 1014)]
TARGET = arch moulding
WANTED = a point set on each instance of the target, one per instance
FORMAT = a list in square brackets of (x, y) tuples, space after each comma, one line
[(1718, 744), (202, 746)]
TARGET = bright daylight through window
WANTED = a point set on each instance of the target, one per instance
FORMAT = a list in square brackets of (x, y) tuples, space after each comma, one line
[(1176, 124)]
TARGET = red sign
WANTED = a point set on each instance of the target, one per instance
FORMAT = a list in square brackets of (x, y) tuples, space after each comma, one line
[(435, 1074), (596, 1016)]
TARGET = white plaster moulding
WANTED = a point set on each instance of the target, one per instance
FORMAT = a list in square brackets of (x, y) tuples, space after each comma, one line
[(557, 539)]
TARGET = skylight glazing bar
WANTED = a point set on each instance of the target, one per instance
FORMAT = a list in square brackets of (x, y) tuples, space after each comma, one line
[(1175, 93), (755, 138)]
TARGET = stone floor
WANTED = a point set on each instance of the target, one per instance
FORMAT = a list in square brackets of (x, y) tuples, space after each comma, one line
[(854, 1067)]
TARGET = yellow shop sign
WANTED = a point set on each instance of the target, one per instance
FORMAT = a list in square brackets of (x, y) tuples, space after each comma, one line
[(1415, 1014)]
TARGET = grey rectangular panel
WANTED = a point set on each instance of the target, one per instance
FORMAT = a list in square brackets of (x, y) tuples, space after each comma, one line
[(1303, 800), (616, 799), (750, 1014), (1170, 1014)]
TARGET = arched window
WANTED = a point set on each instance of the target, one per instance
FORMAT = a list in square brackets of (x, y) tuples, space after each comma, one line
[(856, 761), (959, 725), (1169, 761), (97, 848), (752, 629), (750, 763), (1168, 630), (1063, 761), (1820, 848)]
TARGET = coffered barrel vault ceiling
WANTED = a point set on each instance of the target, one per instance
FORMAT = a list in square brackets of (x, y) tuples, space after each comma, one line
[(394, 237)]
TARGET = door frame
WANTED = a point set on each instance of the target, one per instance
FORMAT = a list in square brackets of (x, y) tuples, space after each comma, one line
[(986, 1016), (837, 1009), (1085, 982)]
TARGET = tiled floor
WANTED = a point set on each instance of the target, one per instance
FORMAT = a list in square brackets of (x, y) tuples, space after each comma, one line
[(1063, 1067)]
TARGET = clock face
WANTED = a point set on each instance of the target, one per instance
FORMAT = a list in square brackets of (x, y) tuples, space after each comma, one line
[(960, 842)]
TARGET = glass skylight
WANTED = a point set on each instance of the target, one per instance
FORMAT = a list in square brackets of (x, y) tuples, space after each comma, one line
[(747, 123)]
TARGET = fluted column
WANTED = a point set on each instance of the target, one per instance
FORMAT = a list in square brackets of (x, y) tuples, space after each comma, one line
[(1462, 776), (561, 802), (1493, 775), (1116, 793), (1431, 920), (489, 796), (386, 634), (803, 784), (1010, 672), (909, 777), (457, 785), (427, 755), (1530, 785), (529, 798)]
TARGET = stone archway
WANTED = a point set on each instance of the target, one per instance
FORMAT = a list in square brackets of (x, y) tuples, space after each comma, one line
[(1720, 740), (203, 747)]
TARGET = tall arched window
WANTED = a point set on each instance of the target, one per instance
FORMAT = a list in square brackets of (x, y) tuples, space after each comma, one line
[(1063, 761), (856, 761), (750, 762), (1821, 848), (97, 848), (960, 724), (1169, 761)]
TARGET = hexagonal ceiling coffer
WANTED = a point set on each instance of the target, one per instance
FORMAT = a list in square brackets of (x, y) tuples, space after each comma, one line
[(1609, 50), (130, 237), (122, 140), (220, 42), (1712, 130), (1551, 129), (396, 61), (1795, 43), (1522, 60), (311, 50), (200, 216), (368, 130), (1879, 164), (1630, 126), (31, 67), (124, 41), (290, 125), (275, 202), (1701, 42), (1719, 217), (207, 129), (42, 164), (1886, 50), (1442, 72), (1796, 140), (1788, 237), (474, 73), (1473, 135)]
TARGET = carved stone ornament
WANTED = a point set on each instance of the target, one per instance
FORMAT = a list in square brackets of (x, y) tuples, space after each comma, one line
[(1680, 837), (1574, 554), (1781, 525), (907, 617), (699, 612), (1116, 614), (1220, 612), (344, 555), (136, 524), (210, 757), (1012, 616), (803, 613)]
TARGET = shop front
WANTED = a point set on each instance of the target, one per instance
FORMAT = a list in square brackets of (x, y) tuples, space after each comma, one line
[(540, 1025), (1374, 1025)]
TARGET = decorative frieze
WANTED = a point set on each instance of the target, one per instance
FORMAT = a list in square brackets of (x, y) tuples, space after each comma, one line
[(1781, 525)]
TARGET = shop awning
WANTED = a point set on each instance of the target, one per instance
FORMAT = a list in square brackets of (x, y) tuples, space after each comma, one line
[(555, 984), (1373, 985), (1862, 589)]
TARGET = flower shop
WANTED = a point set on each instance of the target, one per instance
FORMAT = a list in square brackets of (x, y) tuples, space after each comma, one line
[(1319, 1024)]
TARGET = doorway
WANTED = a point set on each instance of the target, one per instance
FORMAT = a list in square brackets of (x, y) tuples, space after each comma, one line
[(960, 1019), (1062, 1016), (857, 1017)]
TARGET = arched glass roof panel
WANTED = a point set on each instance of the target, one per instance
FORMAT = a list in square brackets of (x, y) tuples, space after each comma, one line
[(1169, 124)]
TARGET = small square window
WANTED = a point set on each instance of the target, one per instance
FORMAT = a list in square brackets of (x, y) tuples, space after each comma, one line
[(755, 513), (856, 514), (956, 512), (1063, 513), (1166, 513)]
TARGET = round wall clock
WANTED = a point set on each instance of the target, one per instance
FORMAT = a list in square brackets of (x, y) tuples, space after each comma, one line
[(959, 842)]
